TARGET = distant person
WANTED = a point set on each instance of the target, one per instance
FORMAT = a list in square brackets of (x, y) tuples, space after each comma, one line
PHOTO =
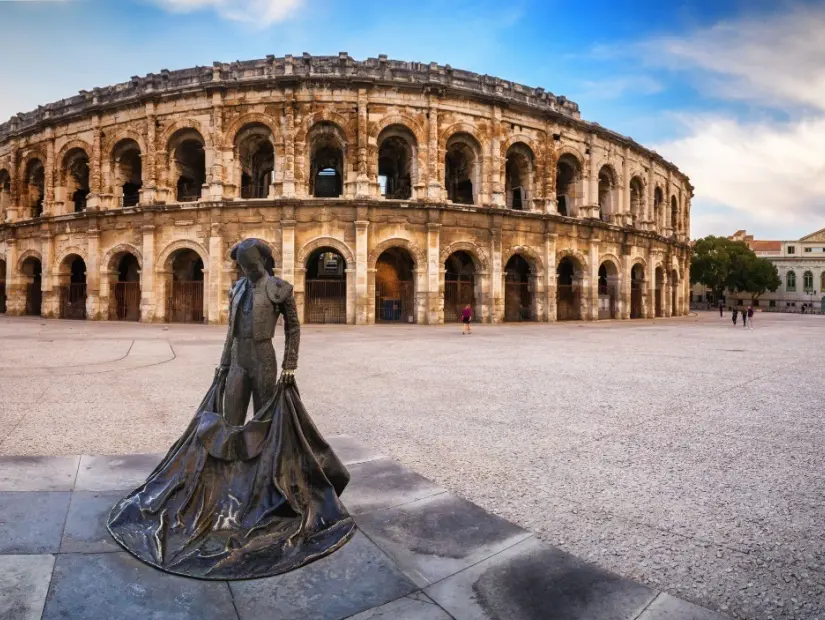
[(744, 318), (750, 317), (466, 317), (721, 309), (734, 315)]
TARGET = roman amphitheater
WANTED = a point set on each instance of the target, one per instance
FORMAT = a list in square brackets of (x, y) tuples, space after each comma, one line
[(387, 190)]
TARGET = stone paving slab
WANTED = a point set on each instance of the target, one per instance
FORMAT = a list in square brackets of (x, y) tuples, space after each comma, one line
[(421, 553), (39, 473)]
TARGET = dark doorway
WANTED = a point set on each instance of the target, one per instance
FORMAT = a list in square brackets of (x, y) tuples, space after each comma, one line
[(73, 289), (127, 290), (33, 270), (395, 155), (608, 291), (660, 283), (459, 287), (326, 287), (568, 290), (185, 296), (637, 281), (518, 295), (394, 287)]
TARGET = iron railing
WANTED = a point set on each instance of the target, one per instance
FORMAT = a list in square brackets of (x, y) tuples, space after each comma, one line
[(457, 295), (125, 304), (568, 303), (34, 299), (326, 301), (636, 301), (73, 301), (395, 302), (185, 302), (518, 302)]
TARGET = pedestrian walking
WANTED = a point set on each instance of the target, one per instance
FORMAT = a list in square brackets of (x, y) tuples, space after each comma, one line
[(734, 315), (744, 318), (750, 317), (721, 309), (466, 317)]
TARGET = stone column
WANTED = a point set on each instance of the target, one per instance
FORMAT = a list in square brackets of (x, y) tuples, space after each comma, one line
[(435, 189), (215, 168), (494, 164), (13, 205), (217, 293), (288, 190), (496, 277), (362, 298), (650, 216), (435, 294), (49, 173), (95, 188), (149, 164), (592, 193), (50, 301), (651, 310), (624, 193), (93, 310), (550, 273), (624, 291), (288, 245), (148, 302), (362, 180), (15, 291), (592, 289)]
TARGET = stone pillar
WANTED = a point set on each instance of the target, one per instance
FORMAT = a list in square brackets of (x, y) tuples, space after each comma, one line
[(592, 288), (50, 300), (592, 192), (550, 273), (435, 294), (148, 301), (288, 246), (624, 192), (214, 170), (49, 173), (95, 179), (494, 163), (362, 180), (650, 213), (435, 189), (148, 159), (624, 291), (651, 310), (217, 293), (15, 291), (288, 190), (362, 297), (496, 277), (93, 309), (13, 204)]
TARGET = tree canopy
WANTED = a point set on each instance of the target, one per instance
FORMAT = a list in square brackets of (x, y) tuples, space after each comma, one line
[(720, 263)]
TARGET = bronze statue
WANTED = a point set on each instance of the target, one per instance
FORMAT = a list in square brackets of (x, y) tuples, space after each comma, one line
[(233, 500)]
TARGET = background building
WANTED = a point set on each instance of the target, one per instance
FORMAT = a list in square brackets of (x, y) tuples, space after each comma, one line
[(801, 266), (387, 190)]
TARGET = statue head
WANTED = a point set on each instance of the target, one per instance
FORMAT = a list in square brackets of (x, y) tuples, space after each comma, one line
[(251, 255)]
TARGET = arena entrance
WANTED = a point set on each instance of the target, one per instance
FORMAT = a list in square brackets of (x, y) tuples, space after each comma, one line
[(325, 299), (125, 304), (608, 291), (637, 281), (660, 282), (395, 287), (33, 271), (184, 303), (518, 297), (72, 288), (2, 287), (459, 287), (568, 290)]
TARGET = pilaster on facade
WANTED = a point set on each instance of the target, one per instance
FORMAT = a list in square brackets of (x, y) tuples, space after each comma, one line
[(363, 299), (148, 300)]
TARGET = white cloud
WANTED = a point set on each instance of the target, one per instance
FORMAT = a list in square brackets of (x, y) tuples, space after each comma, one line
[(770, 173), (259, 12)]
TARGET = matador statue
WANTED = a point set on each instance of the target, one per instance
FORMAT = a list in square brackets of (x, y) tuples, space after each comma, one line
[(235, 500)]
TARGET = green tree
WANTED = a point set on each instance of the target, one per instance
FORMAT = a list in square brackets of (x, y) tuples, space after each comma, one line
[(754, 275), (720, 263), (711, 264)]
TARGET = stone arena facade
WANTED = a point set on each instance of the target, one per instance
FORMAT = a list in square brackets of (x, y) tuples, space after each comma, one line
[(387, 191)]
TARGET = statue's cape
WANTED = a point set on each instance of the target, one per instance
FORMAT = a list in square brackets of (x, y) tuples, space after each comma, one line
[(239, 502)]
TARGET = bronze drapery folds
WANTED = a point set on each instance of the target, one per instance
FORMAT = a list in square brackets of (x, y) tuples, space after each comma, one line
[(233, 500)]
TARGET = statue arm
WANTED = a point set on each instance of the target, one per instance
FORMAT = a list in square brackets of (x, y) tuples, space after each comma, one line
[(292, 333)]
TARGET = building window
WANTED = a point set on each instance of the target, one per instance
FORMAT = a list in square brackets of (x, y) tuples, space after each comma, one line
[(808, 249), (772, 303), (790, 282), (791, 249), (756, 303), (808, 281)]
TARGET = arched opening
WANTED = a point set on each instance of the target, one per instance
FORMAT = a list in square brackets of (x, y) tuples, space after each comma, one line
[(608, 290), (568, 185), (326, 179), (568, 290), (462, 176), (2, 286), (72, 287), (32, 271), (637, 282), (790, 282), (660, 284), (674, 293), (326, 287), (519, 298), (256, 155), (459, 286), (395, 287), (75, 179), (5, 194), (128, 170), (674, 215), (607, 193), (637, 192), (822, 282), (658, 200), (34, 185), (518, 176), (184, 302), (188, 164), (125, 304), (396, 160)]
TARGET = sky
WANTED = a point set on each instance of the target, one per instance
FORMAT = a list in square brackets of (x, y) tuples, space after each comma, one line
[(732, 92)]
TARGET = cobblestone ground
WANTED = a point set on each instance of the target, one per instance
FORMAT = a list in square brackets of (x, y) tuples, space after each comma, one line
[(684, 453)]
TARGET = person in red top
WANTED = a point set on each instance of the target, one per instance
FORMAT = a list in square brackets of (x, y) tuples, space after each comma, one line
[(466, 317)]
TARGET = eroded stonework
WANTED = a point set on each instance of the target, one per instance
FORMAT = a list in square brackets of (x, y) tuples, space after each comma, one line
[(413, 186)]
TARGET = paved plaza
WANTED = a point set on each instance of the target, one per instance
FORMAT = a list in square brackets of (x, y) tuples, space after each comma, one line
[(683, 454)]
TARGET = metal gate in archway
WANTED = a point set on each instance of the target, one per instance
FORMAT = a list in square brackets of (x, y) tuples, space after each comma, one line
[(659, 302), (34, 299), (394, 302), (73, 301), (608, 306), (568, 303), (635, 302), (185, 303), (2, 297), (518, 302), (326, 301), (126, 302), (457, 295)]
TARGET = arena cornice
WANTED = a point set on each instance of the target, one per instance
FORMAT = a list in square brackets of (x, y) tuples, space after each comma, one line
[(293, 70)]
